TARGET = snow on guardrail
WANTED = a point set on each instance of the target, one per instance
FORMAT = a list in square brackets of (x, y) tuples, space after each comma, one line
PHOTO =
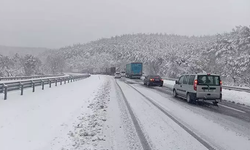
[(32, 83), (27, 77)]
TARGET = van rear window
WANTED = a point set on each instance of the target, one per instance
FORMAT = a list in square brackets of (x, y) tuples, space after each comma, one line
[(191, 79), (208, 80)]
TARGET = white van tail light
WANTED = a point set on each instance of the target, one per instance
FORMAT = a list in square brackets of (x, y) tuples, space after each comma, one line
[(195, 85)]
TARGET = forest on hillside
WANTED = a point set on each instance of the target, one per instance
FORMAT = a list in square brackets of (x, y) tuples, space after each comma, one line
[(227, 54)]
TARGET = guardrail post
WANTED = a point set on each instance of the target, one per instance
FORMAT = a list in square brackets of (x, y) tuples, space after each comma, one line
[(68, 80), (33, 86), (21, 86), (49, 83), (56, 82), (5, 87), (60, 81), (71, 79), (42, 85), (64, 81)]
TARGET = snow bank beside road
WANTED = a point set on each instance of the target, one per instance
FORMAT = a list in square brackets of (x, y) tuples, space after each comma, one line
[(169, 83), (236, 96), (42, 120), (87, 132)]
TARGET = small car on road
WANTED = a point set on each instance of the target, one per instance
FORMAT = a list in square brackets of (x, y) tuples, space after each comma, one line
[(153, 80), (118, 75), (123, 74)]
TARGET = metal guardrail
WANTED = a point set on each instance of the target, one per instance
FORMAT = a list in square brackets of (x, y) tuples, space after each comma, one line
[(223, 86), (236, 88), (27, 77), (32, 83)]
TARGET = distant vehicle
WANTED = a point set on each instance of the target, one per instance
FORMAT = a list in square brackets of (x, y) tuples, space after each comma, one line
[(113, 70), (117, 75), (134, 70), (193, 87), (110, 71), (123, 73), (153, 80)]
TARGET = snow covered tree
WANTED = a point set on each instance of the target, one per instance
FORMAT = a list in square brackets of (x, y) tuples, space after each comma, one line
[(31, 65), (55, 64), (5, 64)]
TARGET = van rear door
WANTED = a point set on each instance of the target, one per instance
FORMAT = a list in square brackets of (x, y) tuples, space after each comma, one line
[(208, 87)]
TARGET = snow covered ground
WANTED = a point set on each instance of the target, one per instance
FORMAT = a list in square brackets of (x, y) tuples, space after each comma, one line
[(78, 115), (168, 83), (101, 112), (228, 95), (236, 96), (48, 119)]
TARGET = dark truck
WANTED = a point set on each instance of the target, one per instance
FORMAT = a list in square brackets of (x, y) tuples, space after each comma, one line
[(134, 70), (110, 71), (113, 70)]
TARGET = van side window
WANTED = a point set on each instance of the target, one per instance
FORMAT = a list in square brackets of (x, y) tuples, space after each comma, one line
[(181, 80), (191, 79), (185, 79)]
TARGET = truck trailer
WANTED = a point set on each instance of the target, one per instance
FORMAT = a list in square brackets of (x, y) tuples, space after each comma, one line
[(134, 70), (111, 71)]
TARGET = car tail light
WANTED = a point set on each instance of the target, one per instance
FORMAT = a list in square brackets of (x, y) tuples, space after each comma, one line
[(161, 79), (151, 79), (221, 86), (195, 84)]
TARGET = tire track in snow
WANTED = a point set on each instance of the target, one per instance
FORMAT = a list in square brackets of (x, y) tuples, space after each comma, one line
[(198, 138), (143, 140)]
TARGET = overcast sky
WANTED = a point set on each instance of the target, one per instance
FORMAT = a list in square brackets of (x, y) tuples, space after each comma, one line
[(58, 23)]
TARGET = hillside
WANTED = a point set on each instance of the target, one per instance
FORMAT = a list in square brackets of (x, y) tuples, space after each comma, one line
[(161, 53), (227, 54), (168, 55)]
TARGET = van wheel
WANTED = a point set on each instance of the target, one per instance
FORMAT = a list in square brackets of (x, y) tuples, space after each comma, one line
[(189, 99), (174, 93)]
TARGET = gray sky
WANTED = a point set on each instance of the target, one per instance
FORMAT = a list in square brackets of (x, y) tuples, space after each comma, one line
[(58, 23)]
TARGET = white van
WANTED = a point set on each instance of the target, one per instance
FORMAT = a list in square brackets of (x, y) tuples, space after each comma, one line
[(193, 87)]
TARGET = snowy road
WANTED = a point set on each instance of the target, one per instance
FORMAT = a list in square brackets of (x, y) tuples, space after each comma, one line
[(225, 107), (218, 130), (101, 112)]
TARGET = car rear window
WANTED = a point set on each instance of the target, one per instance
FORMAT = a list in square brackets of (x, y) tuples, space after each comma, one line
[(208, 80)]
